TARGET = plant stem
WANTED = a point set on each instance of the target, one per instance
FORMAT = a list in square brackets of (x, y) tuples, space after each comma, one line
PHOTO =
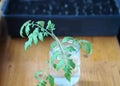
[(54, 37), (45, 73), (59, 43)]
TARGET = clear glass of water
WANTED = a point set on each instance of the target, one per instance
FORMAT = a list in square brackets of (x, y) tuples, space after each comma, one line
[(59, 78)]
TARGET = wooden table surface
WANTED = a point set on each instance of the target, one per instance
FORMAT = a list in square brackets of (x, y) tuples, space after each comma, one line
[(17, 67)]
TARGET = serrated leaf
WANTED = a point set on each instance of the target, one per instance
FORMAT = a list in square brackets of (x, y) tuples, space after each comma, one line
[(54, 65), (45, 34), (86, 45), (27, 29), (68, 76), (36, 31), (32, 24), (42, 29), (43, 83), (30, 36), (67, 69), (50, 79), (38, 84), (27, 44), (34, 36), (38, 78), (40, 36), (37, 74), (21, 31), (23, 27), (50, 26), (59, 64), (53, 45), (54, 56), (41, 23), (69, 55), (70, 49), (35, 40), (66, 39), (71, 63), (30, 40)]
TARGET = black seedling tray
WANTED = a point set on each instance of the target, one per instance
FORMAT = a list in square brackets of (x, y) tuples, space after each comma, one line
[(72, 17)]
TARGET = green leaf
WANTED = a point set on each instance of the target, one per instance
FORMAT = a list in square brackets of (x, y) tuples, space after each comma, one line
[(32, 24), (54, 65), (50, 26), (38, 84), (54, 56), (53, 45), (30, 36), (42, 29), (69, 55), (59, 64), (45, 34), (67, 69), (41, 23), (38, 78), (35, 40), (67, 76), (50, 79), (86, 45), (23, 27), (21, 31), (27, 44), (43, 83), (36, 31), (66, 39), (70, 49), (40, 36), (27, 29), (34, 36), (71, 63), (37, 74)]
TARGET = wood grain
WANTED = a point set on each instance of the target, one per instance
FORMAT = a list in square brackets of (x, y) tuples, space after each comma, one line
[(17, 67)]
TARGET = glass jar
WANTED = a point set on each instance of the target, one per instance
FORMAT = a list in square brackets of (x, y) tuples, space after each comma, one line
[(59, 78)]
